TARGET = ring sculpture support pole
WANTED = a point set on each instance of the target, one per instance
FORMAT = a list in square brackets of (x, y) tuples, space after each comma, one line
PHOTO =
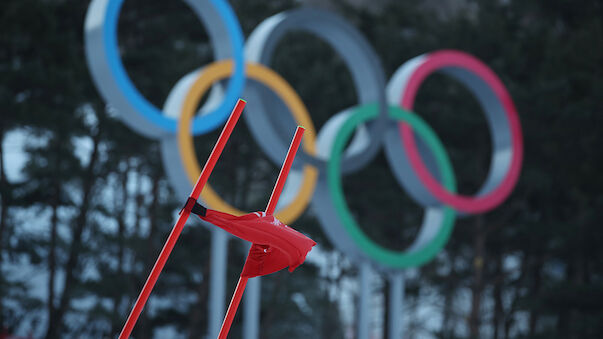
[(251, 311), (364, 305), (276, 192), (217, 281), (396, 305), (173, 237)]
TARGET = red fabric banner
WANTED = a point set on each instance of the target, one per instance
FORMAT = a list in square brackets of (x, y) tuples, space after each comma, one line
[(275, 245)]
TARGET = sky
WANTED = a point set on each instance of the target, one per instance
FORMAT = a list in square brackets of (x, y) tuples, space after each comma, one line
[(14, 156)]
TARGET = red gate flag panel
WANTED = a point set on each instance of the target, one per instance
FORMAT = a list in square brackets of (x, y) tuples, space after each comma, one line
[(275, 245)]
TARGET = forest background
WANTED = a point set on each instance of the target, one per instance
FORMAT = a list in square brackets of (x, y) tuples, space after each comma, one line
[(85, 204)]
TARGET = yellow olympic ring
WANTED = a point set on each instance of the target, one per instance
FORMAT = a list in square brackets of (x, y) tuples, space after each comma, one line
[(220, 70)]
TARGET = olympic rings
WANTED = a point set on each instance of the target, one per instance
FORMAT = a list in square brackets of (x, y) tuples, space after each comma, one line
[(113, 82), (414, 163), (433, 235), (502, 119), (206, 78)]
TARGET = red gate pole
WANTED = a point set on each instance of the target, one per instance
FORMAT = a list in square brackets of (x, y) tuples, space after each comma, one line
[(173, 237), (276, 193)]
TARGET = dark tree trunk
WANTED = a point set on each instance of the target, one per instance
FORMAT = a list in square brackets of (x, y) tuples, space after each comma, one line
[(198, 312), (509, 316), (52, 257), (134, 275), (386, 303), (121, 228), (3, 205), (144, 327), (75, 248), (479, 245), (497, 295), (537, 279), (54, 223), (3, 216), (565, 316), (449, 288), (270, 316)]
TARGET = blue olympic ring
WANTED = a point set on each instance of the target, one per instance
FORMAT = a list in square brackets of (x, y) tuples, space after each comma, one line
[(203, 123)]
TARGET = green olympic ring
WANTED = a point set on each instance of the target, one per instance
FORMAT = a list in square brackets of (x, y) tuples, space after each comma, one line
[(397, 259)]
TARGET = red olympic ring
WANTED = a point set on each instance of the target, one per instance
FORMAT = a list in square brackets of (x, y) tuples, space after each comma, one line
[(469, 204)]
